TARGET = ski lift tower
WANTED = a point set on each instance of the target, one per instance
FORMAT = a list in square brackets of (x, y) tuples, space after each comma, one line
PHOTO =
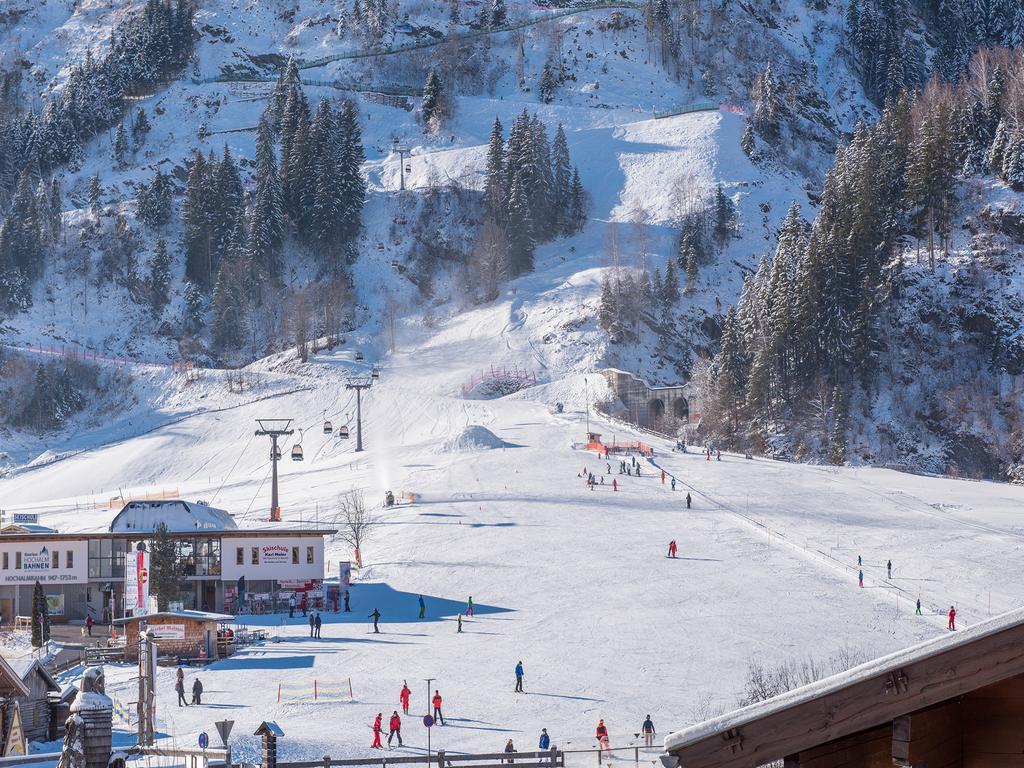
[(359, 385), (274, 428), (402, 152)]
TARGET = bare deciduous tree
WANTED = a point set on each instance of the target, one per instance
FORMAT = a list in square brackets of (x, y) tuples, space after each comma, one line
[(355, 521)]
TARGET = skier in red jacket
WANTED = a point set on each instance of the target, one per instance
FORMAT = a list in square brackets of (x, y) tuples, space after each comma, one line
[(403, 697), (436, 701), (376, 732), (672, 548), (395, 728), (952, 618)]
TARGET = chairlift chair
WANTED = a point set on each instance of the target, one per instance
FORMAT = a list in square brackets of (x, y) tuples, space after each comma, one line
[(343, 432), (296, 452)]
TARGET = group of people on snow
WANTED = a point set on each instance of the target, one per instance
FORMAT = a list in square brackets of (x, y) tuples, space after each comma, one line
[(950, 616)]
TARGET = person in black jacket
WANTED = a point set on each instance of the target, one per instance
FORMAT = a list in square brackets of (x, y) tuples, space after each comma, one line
[(197, 692), (648, 730), (376, 618)]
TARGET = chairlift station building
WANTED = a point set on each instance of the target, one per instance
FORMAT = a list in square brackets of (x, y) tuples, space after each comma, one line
[(83, 574)]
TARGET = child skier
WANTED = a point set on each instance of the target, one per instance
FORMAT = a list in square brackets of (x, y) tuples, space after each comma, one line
[(672, 548), (952, 618), (376, 732)]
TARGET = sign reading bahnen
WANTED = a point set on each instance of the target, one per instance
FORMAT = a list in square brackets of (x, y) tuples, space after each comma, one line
[(36, 561)]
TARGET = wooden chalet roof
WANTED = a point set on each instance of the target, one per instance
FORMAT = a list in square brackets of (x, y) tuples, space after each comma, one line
[(11, 684), (864, 697)]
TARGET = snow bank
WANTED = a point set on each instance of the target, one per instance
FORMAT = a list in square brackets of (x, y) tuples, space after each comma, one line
[(473, 438)]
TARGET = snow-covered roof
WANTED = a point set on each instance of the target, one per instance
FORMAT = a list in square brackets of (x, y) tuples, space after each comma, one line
[(28, 528), (864, 672), (23, 667), (179, 517), (197, 615), (10, 681)]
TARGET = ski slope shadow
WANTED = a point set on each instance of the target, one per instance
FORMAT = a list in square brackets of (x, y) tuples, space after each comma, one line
[(403, 607), (265, 661)]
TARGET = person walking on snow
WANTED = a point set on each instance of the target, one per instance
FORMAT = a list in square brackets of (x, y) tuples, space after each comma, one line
[(403, 697), (860, 561), (291, 606), (719, 456), (888, 567), (197, 692), (469, 607), (545, 740), (460, 623), (860, 578), (673, 483), (608, 467), (395, 728), (423, 608), (917, 612), (88, 625), (436, 701), (312, 624), (648, 730), (615, 484), (601, 733), (672, 548), (317, 624), (688, 500), (952, 618), (519, 677), (509, 750), (376, 732), (305, 604), (179, 687), (347, 608), (376, 618)]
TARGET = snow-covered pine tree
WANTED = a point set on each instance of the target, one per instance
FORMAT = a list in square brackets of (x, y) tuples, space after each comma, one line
[(159, 277), (997, 151), (120, 145), (266, 220), (353, 185), (195, 220), (494, 195), (561, 191), (520, 227), (548, 83), (95, 196), (432, 104), (195, 308), (140, 128), (670, 287), (577, 204)]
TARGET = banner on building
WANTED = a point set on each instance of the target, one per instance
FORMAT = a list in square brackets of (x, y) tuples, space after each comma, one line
[(167, 631), (275, 553), (136, 579), (55, 605)]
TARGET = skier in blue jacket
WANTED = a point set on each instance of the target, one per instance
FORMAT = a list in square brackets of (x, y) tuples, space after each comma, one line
[(519, 677)]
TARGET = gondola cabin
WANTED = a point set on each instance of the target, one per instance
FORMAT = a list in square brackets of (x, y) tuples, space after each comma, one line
[(375, 373), (359, 355), (328, 428), (343, 432), (296, 452)]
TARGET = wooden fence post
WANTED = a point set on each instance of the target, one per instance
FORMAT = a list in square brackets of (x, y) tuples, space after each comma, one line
[(327, 761), (440, 758)]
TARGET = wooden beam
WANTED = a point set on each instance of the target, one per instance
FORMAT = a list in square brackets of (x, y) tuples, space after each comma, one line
[(861, 705)]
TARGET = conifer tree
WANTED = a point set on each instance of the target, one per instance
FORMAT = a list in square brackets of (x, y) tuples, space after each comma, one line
[(562, 182), (266, 221), (669, 294), (432, 104), (40, 617), (499, 16), (548, 83), (159, 277), (120, 145), (495, 173)]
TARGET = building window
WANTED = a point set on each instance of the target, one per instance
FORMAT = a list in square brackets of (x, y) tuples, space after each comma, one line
[(295, 555), (55, 558), (207, 554), (309, 555), (17, 561), (69, 559), (106, 558), (239, 556), (255, 555), (6, 561)]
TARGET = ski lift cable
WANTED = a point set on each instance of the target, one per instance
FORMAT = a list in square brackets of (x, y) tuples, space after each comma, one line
[(233, 466)]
